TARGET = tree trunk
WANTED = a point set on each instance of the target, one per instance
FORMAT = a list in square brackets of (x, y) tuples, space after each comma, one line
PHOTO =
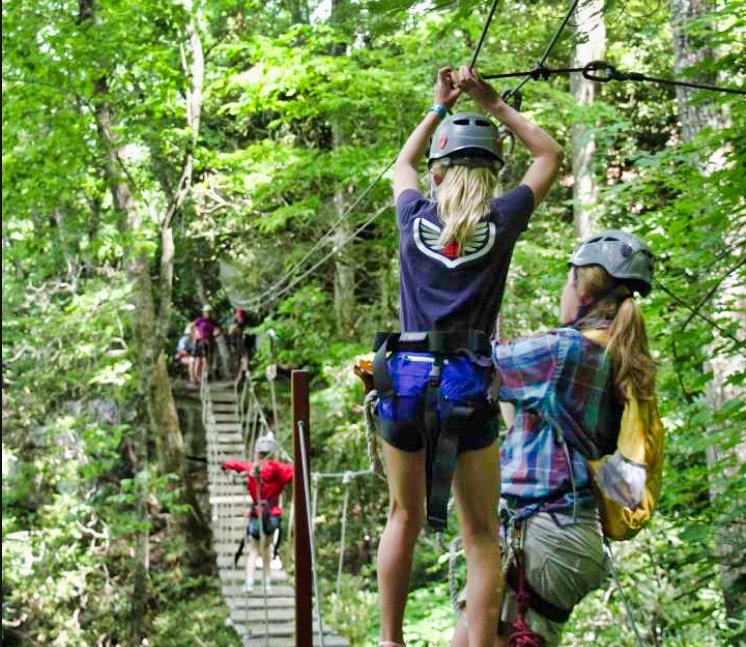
[(344, 285), (690, 49), (591, 34), (344, 271), (149, 328)]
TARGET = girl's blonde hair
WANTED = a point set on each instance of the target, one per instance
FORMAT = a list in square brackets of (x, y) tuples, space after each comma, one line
[(628, 347), (463, 199)]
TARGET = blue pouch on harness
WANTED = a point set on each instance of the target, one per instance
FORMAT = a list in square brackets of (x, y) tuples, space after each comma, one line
[(462, 383)]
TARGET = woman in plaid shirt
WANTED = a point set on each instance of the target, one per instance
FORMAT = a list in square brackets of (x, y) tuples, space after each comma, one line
[(565, 391)]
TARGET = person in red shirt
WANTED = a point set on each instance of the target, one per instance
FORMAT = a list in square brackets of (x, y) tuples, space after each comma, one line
[(265, 480)]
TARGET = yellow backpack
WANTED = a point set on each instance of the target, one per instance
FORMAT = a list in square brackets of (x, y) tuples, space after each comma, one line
[(627, 483)]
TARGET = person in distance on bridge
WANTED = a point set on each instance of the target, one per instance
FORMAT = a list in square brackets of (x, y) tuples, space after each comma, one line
[(266, 479), (206, 329)]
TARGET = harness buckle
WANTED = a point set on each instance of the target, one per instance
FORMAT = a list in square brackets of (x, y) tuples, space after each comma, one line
[(433, 378)]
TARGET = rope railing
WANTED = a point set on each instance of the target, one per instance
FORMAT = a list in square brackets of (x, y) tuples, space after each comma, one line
[(346, 478)]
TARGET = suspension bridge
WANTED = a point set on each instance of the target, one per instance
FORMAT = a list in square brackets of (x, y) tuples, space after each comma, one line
[(279, 614)]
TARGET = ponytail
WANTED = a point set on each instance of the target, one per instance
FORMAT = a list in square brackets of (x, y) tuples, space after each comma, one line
[(463, 200), (628, 347)]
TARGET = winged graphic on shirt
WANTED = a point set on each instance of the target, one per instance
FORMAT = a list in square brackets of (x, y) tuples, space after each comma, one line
[(426, 235)]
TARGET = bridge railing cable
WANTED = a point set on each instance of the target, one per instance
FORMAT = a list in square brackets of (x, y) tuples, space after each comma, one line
[(346, 478), (269, 293)]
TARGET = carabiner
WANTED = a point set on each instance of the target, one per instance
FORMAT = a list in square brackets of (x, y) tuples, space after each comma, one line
[(608, 72), (513, 98)]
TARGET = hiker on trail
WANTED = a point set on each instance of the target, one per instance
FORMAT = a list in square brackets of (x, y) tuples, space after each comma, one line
[(454, 257), (265, 480), (206, 329), (242, 341), (184, 354), (567, 387)]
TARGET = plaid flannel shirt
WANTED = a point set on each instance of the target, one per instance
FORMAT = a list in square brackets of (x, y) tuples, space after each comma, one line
[(566, 409)]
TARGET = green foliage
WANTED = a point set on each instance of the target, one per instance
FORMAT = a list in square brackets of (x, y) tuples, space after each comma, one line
[(300, 120)]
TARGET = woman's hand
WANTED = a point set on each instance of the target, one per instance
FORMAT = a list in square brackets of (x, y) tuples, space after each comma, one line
[(446, 90), (471, 82)]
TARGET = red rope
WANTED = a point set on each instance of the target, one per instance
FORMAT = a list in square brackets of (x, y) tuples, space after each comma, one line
[(521, 634)]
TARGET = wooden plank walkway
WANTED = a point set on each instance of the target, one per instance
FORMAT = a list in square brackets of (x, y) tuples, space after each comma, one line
[(260, 620)]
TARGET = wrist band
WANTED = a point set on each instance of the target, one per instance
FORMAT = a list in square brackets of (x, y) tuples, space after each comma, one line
[(440, 109)]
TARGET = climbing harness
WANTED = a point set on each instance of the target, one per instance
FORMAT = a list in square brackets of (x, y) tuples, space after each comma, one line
[(438, 420), (513, 560)]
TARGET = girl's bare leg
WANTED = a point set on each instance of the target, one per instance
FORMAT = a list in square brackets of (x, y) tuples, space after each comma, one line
[(477, 490), (406, 477)]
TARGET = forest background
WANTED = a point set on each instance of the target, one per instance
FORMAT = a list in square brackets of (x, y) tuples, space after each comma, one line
[(157, 155)]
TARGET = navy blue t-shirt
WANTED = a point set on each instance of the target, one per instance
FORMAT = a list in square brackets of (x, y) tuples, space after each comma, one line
[(456, 289)]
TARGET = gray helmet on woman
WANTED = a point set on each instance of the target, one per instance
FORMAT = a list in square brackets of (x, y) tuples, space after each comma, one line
[(466, 139), (624, 256)]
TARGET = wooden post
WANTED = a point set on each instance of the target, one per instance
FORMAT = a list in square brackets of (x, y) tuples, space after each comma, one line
[(303, 575)]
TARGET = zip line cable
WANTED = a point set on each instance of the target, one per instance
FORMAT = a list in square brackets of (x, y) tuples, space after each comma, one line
[(547, 51), (269, 291), (603, 72), (324, 258), (484, 33)]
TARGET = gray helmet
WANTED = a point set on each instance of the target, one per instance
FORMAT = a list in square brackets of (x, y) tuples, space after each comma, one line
[(265, 444), (624, 256), (473, 136)]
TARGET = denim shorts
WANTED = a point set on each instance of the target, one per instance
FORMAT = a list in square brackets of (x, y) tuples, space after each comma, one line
[(462, 401), (271, 523)]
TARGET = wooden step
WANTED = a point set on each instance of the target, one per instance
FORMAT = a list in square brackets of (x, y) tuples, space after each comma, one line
[(284, 629), (230, 407), (256, 640), (222, 396), (229, 499), (226, 427), (278, 596)]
